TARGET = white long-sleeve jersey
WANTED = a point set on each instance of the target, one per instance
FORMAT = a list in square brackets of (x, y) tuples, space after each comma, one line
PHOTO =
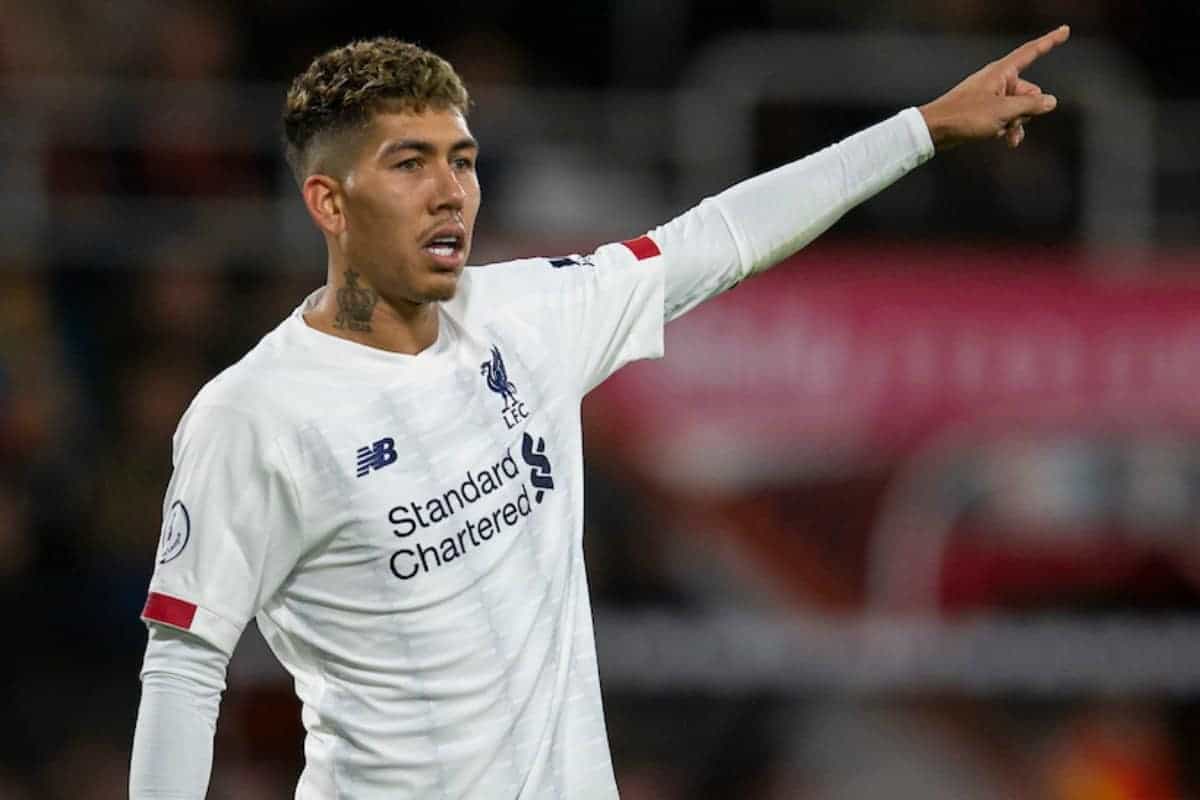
[(407, 529)]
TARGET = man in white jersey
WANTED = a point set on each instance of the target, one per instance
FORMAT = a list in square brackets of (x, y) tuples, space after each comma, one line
[(390, 482)]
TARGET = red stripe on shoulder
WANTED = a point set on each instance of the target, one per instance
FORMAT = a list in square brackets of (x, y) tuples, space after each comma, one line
[(169, 610), (643, 247)]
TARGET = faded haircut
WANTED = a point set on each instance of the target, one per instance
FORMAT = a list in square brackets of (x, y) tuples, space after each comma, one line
[(344, 88)]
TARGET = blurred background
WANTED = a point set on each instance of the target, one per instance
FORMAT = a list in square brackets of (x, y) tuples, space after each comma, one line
[(914, 516)]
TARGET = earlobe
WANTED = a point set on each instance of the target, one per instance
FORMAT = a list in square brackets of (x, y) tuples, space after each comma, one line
[(323, 200)]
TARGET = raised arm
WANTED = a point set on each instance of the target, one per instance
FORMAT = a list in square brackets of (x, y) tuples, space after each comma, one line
[(759, 222)]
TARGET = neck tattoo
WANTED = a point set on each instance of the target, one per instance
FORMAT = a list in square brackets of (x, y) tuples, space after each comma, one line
[(355, 305)]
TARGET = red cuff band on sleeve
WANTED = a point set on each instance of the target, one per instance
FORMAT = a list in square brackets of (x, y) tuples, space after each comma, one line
[(643, 247), (169, 610)]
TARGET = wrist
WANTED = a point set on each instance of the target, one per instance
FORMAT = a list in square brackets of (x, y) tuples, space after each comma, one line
[(936, 124)]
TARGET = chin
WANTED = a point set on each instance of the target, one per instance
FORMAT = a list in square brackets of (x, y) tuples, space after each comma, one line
[(442, 290)]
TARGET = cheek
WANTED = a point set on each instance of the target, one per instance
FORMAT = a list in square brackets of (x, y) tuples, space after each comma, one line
[(473, 195), (384, 216)]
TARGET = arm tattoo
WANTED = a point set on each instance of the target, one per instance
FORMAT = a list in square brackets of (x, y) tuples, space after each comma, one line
[(355, 304)]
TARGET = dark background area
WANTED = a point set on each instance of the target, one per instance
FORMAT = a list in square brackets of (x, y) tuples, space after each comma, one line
[(152, 236)]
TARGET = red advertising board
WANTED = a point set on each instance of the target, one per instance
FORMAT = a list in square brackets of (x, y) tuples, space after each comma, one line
[(860, 354)]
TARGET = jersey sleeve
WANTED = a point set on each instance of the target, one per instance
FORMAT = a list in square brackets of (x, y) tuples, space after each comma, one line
[(182, 681), (608, 308), (230, 531), (615, 311), (760, 221)]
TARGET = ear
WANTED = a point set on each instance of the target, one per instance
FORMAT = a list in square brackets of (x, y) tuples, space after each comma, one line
[(322, 197)]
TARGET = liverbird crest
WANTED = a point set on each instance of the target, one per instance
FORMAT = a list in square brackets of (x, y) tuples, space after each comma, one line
[(494, 372)]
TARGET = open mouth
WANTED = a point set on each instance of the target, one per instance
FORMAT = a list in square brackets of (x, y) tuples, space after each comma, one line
[(445, 246)]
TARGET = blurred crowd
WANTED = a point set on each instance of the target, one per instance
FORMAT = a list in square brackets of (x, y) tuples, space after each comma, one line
[(102, 348), (508, 39)]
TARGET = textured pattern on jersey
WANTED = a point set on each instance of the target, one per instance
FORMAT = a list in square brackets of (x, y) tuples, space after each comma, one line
[(421, 573)]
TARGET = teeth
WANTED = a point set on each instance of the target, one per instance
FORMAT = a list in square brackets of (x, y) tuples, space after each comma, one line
[(444, 245)]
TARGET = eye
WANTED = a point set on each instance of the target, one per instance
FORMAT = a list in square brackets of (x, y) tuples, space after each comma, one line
[(408, 164), (464, 163)]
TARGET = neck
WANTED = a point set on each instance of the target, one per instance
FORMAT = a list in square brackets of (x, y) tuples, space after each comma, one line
[(350, 308)]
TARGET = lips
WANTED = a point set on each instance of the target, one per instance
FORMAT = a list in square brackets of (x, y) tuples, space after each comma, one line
[(446, 245)]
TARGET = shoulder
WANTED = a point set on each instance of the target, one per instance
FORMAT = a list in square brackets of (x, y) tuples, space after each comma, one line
[(549, 269), (259, 393), (505, 273), (508, 282), (486, 288)]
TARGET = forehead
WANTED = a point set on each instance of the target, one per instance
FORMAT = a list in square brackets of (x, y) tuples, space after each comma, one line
[(437, 126)]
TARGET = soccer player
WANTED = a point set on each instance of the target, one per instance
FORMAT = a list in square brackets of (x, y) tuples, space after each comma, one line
[(390, 482)]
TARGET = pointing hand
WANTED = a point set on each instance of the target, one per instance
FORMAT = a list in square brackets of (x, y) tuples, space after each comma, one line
[(996, 101)]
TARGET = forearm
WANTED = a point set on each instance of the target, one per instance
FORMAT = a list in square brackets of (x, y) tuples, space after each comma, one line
[(182, 681), (763, 220)]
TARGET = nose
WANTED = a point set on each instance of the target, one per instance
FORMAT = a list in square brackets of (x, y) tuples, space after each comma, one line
[(449, 193)]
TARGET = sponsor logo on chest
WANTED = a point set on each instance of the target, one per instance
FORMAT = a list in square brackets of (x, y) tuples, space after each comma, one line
[(488, 503), (467, 511)]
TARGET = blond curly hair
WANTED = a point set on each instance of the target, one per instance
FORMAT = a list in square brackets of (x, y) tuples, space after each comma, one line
[(343, 88)]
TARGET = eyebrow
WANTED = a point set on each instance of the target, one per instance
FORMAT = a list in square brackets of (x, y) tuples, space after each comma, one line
[(424, 147)]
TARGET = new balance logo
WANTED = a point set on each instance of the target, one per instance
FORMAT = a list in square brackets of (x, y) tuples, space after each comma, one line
[(377, 456)]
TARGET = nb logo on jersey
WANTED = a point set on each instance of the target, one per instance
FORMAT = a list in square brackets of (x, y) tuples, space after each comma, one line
[(534, 453), (377, 456), (496, 375)]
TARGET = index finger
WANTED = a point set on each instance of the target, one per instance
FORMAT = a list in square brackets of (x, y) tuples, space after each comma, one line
[(1031, 51)]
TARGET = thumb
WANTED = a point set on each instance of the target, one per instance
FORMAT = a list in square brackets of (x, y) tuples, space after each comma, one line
[(1030, 105)]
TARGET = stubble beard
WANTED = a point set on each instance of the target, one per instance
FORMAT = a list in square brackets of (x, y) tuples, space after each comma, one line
[(443, 290)]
